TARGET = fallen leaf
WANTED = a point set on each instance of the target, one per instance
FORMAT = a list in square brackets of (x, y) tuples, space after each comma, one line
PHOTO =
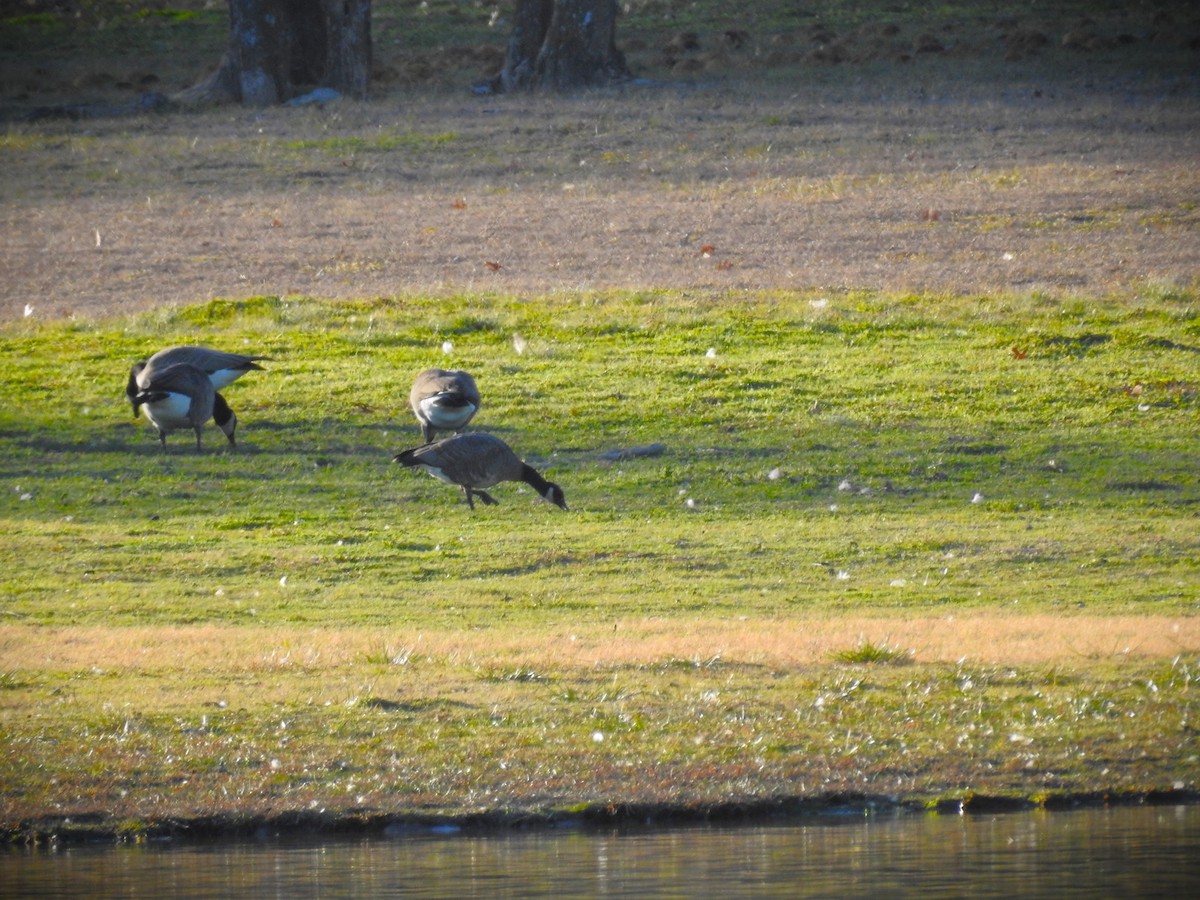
[(724, 265), (494, 266), (459, 204), (1018, 353), (276, 224), (707, 250)]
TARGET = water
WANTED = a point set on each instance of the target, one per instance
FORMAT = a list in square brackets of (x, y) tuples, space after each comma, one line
[(1129, 852)]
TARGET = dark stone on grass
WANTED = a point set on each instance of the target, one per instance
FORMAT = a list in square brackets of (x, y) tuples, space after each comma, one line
[(634, 452)]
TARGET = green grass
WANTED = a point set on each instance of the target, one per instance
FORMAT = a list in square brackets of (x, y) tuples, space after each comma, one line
[(829, 450), (845, 455), (869, 652)]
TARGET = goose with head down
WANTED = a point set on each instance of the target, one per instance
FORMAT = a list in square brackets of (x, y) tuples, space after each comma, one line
[(222, 368), (182, 396), (476, 461)]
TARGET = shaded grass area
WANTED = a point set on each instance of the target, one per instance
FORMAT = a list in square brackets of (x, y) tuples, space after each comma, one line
[(879, 458), (109, 52)]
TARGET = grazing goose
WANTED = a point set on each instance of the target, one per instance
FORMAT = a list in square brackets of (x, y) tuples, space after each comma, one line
[(475, 461), (182, 396), (222, 368), (443, 399)]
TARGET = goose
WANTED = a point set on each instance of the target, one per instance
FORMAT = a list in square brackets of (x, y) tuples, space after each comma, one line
[(182, 396), (443, 399), (222, 368), (475, 461)]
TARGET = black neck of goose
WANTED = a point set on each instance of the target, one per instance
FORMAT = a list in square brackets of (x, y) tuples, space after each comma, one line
[(221, 411), (132, 387), (224, 418), (530, 476)]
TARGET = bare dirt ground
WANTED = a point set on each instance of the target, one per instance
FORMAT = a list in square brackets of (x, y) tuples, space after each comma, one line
[(1065, 174)]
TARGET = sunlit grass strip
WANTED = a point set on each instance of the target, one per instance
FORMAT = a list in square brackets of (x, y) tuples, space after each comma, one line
[(784, 640)]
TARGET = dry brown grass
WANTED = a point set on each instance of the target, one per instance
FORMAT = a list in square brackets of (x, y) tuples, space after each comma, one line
[(830, 189), (977, 638)]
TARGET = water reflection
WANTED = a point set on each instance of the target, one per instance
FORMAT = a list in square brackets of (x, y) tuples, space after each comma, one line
[(1142, 852)]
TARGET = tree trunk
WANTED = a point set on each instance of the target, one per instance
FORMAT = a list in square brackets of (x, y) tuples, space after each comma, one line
[(277, 47), (348, 55), (562, 45)]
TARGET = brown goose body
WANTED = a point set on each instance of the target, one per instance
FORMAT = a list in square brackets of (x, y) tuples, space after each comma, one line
[(222, 368), (443, 400), (182, 396), (476, 461)]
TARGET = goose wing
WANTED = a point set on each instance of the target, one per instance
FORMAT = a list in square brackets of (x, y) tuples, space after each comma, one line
[(221, 367), (475, 460)]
